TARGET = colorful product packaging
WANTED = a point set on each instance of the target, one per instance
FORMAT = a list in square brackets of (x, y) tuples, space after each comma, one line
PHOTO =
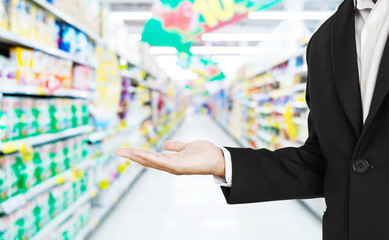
[(4, 23)]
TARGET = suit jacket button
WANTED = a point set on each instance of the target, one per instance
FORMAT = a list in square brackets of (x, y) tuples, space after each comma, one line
[(361, 166)]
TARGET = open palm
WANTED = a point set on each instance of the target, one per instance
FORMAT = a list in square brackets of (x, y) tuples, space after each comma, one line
[(198, 157)]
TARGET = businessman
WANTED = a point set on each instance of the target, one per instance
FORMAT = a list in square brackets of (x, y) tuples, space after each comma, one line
[(346, 156)]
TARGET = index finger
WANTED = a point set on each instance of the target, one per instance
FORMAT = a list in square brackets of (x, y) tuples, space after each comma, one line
[(145, 158)]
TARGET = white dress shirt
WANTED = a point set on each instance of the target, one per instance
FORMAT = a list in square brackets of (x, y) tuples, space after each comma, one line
[(371, 33)]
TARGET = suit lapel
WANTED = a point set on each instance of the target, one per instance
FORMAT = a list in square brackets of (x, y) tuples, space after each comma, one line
[(345, 66)]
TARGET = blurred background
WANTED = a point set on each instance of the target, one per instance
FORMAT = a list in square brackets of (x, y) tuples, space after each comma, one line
[(80, 78)]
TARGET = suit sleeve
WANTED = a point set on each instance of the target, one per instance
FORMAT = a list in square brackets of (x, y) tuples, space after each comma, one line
[(289, 173)]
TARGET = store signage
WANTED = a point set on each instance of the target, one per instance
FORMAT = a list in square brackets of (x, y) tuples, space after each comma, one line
[(179, 23)]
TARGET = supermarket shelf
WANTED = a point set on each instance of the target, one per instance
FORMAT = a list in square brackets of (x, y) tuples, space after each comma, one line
[(225, 129), (14, 39), (98, 214), (265, 135), (299, 105), (64, 17), (300, 87), (288, 143), (127, 74), (49, 228), (41, 91), (13, 146), (19, 201), (300, 121)]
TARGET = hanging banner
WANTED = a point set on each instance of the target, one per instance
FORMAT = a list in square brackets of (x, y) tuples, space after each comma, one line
[(179, 23), (207, 69)]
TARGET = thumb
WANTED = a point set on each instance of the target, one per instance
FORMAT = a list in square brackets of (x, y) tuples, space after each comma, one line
[(174, 146)]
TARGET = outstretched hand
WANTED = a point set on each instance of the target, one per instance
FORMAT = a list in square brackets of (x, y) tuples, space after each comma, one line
[(194, 158)]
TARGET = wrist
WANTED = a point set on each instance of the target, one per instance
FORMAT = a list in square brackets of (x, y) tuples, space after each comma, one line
[(221, 164)]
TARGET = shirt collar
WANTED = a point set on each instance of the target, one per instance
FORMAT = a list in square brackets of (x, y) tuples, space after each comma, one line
[(363, 4)]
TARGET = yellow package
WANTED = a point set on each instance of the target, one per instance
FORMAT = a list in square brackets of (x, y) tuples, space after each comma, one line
[(29, 22), (19, 21), (16, 12), (24, 60), (4, 14)]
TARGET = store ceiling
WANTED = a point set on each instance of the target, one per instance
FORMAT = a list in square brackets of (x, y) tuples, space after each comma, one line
[(246, 26)]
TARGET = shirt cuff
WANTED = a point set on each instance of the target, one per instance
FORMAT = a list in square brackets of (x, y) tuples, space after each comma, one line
[(225, 182)]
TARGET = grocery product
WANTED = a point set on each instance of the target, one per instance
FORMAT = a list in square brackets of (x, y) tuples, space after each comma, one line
[(4, 14), (17, 16), (27, 221), (23, 117), (82, 77)]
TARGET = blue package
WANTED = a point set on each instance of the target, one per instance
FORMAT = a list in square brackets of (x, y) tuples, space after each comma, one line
[(68, 41), (82, 45)]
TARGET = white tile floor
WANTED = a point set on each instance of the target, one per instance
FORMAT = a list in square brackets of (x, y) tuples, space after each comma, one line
[(161, 206)]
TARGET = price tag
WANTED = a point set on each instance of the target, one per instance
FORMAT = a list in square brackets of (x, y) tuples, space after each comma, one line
[(93, 193), (41, 91), (77, 174), (26, 152), (95, 224), (60, 180), (9, 147), (104, 184)]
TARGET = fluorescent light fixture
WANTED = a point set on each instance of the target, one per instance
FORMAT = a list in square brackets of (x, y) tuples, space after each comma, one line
[(163, 50), (183, 75), (132, 16), (224, 37), (167, 58), (223, 50), (230, 58), (265, 15), (136, 37)]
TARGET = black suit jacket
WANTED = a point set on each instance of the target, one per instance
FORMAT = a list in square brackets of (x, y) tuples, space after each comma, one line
[(357, 204)]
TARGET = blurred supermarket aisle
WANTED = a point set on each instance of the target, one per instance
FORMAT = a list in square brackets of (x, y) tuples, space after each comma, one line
[(161, 206)]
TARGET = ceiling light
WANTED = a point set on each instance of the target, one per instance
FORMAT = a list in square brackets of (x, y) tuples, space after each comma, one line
[(289, 15), (211, 37), (135, 37), (183, 75), (230, 58), (223, 50), (163, 50), (132, 16), (167, 58)]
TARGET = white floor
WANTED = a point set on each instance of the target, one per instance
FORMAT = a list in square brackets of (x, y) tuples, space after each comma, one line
[(161, 206)]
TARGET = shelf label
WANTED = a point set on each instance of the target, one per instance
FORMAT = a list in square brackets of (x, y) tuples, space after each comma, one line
[(60, 180), (93, 193), (26, 152), (104, 184), (40, 91), (9, 147)]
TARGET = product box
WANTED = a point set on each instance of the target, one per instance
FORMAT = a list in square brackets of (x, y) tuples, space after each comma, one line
[(4, 23), (40, 68), (29, 22), (8, 68), (17, 16), (82, 77), (24, 59)]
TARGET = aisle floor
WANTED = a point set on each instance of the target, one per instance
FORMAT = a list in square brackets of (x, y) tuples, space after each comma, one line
[(162, 206)]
